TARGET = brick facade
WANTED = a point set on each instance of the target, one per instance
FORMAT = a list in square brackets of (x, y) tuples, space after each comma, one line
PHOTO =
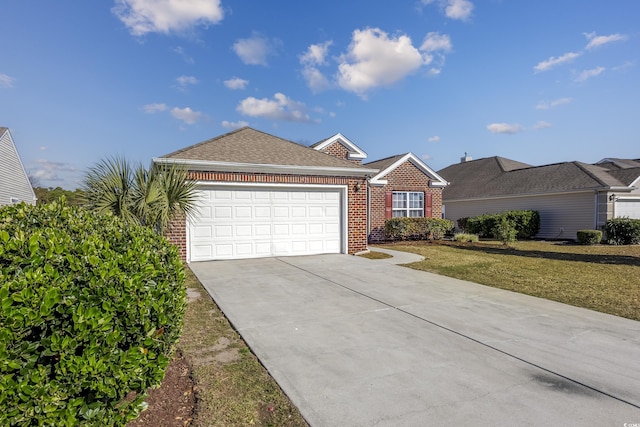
[(356, 199), (340, 151), (406, 177)]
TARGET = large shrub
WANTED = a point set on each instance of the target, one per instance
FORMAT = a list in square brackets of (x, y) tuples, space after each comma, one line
[(417, 228), (526, 223), (90, 310), (622, 231)]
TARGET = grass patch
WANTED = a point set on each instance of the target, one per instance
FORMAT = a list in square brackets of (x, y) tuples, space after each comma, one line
[(375, 255), (602, 277), (233, 388)]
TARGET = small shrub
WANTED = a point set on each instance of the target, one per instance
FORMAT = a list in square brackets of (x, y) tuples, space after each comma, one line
[(465, 237), (589, 237), (90, 311), (505, 231), (622, 231), (417, 228), (462, 223)]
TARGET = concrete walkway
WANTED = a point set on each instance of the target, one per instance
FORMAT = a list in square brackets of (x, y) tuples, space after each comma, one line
[(358, 342)]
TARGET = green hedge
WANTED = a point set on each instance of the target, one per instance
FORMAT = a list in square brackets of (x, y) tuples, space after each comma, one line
[(417, 228), (526, 223), (90, 311), (622, 231), (589, 237)]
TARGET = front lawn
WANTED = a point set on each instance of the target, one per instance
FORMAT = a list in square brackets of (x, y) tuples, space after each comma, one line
[(603, 278)]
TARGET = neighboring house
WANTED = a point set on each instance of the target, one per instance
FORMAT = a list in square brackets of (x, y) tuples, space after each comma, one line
[(14, 182), (569, 196), (260, 195)]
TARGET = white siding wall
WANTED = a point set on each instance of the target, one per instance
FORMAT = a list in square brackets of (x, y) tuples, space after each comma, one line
[(14, 182), (561, 215)]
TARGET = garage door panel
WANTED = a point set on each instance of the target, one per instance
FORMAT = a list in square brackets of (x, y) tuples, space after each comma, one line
[(248, 223), (628, 209)]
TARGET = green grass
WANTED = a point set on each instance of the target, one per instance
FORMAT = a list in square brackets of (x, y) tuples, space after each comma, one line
[(375, 255), (603, 278), (233, 388)]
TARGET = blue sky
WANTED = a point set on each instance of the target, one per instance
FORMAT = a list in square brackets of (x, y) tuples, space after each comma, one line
[(536, 81)]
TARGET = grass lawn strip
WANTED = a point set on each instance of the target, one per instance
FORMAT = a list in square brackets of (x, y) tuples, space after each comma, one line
[(602, 278), (233, 388)]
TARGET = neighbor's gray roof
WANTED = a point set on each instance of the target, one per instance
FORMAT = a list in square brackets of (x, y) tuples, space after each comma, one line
[(497, 176), (247, 145), (3, 129)]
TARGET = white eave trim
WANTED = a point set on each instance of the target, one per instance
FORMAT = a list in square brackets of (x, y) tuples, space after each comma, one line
[(518, 196), (213, 166), (355, 152), (435, 179)]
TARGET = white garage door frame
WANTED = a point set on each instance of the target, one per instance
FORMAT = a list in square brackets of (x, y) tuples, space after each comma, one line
[(342, 190)]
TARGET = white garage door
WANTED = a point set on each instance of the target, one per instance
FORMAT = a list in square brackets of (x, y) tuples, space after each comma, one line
[(253, 222), (629, 208)]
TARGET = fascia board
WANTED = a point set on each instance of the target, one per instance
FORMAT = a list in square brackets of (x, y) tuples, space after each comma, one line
[(203, 165), (436, 181)]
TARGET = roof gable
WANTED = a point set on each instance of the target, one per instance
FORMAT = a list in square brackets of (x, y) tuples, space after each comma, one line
[(14, 181), (355, 152), (389, 164)]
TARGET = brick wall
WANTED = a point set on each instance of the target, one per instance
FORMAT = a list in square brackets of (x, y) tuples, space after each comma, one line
[(357, 202), (406, 177), (338, 150)]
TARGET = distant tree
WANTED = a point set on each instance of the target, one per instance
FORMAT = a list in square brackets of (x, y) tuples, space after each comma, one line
[(48, 195), (148, 197)]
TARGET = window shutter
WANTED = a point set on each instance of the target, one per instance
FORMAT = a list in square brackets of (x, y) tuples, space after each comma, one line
[(388, 205), (428, 212)]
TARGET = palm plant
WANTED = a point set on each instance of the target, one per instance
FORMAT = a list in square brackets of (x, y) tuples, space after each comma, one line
[(148, 197)]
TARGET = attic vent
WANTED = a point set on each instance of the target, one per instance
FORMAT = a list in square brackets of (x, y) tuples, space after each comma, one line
[(466, 158)]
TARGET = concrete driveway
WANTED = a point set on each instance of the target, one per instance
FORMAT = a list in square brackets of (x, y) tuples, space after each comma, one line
[(358, 342)]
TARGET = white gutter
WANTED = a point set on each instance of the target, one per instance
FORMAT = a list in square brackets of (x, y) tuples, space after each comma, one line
[(205, 165)]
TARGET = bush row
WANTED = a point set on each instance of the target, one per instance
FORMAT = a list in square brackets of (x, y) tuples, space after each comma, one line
[(417, 228), (526, 223), (622, 231), (90, 311)]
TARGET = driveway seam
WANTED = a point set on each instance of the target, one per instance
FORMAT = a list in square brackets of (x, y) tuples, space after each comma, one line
[(465, 336)]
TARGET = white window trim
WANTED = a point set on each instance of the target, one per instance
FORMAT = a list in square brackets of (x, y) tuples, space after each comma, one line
[(408, 209)]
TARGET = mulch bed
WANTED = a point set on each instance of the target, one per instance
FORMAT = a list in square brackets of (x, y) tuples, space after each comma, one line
[(171, 405)]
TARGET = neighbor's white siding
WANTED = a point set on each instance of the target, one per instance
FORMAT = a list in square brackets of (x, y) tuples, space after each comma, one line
[(561, 215), (14, 183)]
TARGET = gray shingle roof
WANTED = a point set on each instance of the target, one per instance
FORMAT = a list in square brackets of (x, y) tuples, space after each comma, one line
[(382, 164), (247, 145), (496, 176)]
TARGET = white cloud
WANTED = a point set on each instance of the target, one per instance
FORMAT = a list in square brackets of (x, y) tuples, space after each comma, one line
[(236, 83), (505, 128), (311, 60), (6, 81), (254, 50), (454, 9), (553, 61), (180, 51), (597, 41), (187, 115), (426, 157), (234, 125), (546, 105), (434, 138), (184, 81), (154, 108), (42, 148), (542, 125), (50, 171), (587, 74), (280, 107), (375, 59), (166, 16), (435, 41)]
